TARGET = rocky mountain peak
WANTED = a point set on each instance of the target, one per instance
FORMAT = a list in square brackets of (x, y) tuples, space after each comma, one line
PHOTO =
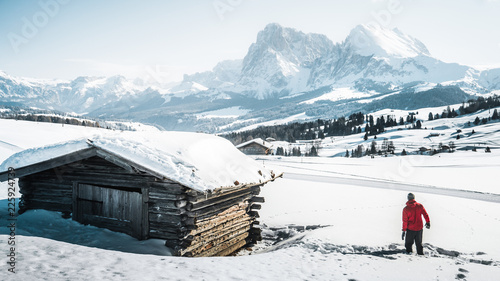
[(368, 40)]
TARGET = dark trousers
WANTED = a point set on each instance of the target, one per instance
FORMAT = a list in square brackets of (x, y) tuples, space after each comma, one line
[(414, 236)]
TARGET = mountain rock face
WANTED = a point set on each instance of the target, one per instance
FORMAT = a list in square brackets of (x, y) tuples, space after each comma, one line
[(280, 61), (285, 72)]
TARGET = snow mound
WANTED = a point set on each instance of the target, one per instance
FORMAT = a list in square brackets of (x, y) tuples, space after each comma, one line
[(200, 161)]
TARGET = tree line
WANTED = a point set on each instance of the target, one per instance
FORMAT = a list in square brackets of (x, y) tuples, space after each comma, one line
[(295, 151), (53, 119), (311, 130), (472, 106), (321, 128), (41, 115)]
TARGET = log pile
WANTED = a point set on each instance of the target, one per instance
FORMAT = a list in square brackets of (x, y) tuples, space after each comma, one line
[(206, 224)]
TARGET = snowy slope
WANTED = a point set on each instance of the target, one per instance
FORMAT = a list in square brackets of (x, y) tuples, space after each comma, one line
[(437, 170), (340, 251), (354, 230)]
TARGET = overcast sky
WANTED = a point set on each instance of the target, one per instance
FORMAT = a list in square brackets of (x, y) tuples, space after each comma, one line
[(69, 38)]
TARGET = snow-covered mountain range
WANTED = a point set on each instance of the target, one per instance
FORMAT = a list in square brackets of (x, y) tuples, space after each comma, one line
[(285, 72)]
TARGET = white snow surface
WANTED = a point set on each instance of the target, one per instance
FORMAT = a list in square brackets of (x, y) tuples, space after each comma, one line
[(200, 161), (229, 112), (360, 233), (358, 222), (338, 94), (286, 120)]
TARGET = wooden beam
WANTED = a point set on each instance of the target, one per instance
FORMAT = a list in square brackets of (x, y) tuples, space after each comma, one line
[(255, 207), (145, 214), (231, 249), (201, 197), (223, 246), (216, 209), (50, 164), (257, 200)]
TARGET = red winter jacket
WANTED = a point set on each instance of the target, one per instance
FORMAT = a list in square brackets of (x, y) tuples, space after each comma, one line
[(412, 216)]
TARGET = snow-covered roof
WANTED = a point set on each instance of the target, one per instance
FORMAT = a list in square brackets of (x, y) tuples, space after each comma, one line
[(257, 141), (199, 161)]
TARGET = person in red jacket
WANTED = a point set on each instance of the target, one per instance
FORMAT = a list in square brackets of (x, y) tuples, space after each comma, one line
[(413, 225)]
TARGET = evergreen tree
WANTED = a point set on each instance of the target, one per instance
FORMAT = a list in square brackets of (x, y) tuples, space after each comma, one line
[(313, 152), (477, 121), (487, 150), (419, 124), (453, 113), (347, 153), (452, 146), (391, 148), (321, 134), (495, 115), (385, 146), (431, 117), (373, 147), (403, 153)]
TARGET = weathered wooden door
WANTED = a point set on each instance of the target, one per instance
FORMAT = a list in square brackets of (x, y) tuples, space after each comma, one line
[(116, 209)]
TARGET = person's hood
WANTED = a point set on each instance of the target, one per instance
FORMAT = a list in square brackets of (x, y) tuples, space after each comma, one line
[(411, 203)]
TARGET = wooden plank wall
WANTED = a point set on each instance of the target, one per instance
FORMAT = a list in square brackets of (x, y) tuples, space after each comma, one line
[(53, 189), (115, 209)]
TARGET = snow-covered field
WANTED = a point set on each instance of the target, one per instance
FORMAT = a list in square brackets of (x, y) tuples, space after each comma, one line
[(319, 222)]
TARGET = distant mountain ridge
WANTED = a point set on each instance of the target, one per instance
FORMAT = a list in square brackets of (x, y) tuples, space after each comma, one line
[(285, 72)]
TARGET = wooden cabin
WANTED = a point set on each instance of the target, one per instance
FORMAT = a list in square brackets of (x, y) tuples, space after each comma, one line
[(106, 185), (255, 147)]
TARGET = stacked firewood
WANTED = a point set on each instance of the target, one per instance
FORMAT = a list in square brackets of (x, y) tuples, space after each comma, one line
[(199, 224)]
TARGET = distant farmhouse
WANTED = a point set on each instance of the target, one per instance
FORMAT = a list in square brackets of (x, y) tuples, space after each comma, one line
[(255, 147), (195, 191)]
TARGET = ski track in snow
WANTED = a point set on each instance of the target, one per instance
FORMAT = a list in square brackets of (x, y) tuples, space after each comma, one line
[(388, 184), (385, 184)]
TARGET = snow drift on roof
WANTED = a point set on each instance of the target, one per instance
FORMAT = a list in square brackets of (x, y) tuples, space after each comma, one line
[(199, 161)]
